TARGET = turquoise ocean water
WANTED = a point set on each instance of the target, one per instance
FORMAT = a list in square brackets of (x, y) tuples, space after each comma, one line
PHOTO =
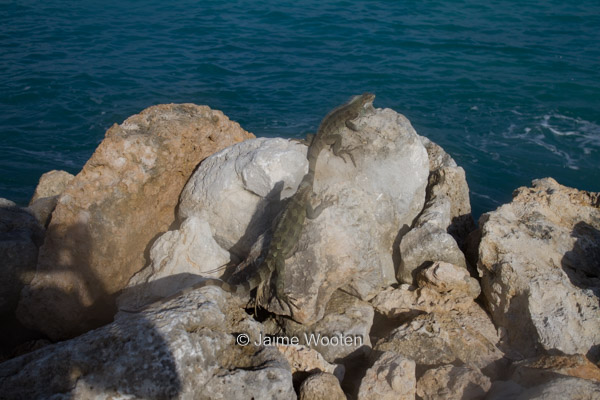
[(510, 90)]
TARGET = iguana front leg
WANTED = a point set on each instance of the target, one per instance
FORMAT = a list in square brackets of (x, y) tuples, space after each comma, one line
[(335, 141), (314, 212)]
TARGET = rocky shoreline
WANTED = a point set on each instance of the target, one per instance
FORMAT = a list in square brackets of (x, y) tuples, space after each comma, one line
[(398, 293)]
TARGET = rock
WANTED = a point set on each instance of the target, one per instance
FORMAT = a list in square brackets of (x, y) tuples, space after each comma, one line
[(428, 242), (391, 377), (453, 382), (447, 180), (304, 359), (321, 386), (542, 369), (105, 219), (20, 237), (350, 245), (42, 209), (178, 259), (449, 279), (209, 238), (564, 388), (441, 287), (538, 260), (442, 228), (436, 339), (557, 389), (239, 189), (184, 349), (51, 184), (346, 318)]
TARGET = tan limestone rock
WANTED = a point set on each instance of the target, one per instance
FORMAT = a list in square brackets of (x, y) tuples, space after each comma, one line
[(304, 359), (392, 377), (321, 386), (538, 370), (538, 260), (108, 215), (466, 337), (441, 287), (51, 183), (450, 382)]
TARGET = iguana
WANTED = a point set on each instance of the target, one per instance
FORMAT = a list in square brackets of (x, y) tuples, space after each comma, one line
[(286, 232), (290, 222), (329, 132)]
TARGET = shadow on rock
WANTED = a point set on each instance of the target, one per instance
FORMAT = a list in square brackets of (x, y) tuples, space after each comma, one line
[(582, 263), (125, 357)]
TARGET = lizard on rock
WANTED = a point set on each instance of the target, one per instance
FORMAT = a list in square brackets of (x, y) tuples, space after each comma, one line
[(290, 222), (329, 132), (286, 233)]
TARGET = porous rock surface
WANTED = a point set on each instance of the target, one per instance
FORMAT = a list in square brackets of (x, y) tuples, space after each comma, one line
[(346, 317), (51, 183), (539, 263), (45, 196), (441, 287), (434, 339), (450, 382), (122, 199), (391, 377), (184, 349), (321, 386)]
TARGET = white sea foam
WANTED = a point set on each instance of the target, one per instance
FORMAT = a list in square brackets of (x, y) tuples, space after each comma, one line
[(568, 138)]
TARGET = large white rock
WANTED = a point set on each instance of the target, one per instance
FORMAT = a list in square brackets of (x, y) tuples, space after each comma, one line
[(179, 259), (350, 245), (239, 189), (538, 260)]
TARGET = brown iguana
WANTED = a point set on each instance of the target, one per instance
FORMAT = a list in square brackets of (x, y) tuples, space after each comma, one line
[(286, 233), (290, 222), (329, 133)]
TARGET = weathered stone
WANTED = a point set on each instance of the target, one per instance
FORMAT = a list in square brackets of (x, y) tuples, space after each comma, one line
[(558, 389), (51, 183), (450, 382), (122, 199), (449, 279), (350, 245), (441, 287), (178, 259), (431, 340), (42, 209), (447, 180), (239, 189), (20, 236), (184, 349), (321, 386), (538, 260), (392, 377), (542, 369), (304, 359), (424, 244), (346, 318)]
